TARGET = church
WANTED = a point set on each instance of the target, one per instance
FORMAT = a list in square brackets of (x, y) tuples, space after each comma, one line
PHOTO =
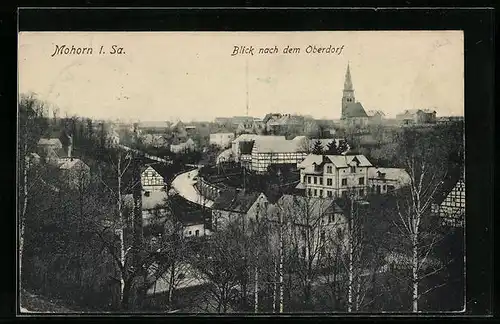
[(353, 113)]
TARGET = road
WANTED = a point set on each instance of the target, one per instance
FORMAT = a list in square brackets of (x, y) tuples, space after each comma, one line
[(184, 185)]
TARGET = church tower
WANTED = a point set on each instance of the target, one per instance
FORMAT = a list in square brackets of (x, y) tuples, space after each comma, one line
[(348, 92)]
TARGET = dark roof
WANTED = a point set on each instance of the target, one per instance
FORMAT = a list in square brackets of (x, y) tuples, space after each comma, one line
[(355, 110), (186, 211), (235, 200)]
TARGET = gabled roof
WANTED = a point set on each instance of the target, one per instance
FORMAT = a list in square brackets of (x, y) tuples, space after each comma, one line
[(276, 146), (297, 208), (235, 200), (251, 137), (339, 161), (50, 141), (69, 163), (372, 113), (354, 109)]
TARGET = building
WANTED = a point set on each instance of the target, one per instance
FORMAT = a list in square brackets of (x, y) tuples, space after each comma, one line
[(73, 172), (334, 175), (194, 221), (451, 210), (417, 117), (187, 146), (151, 179), (234, 205), (386, 180), (375, 116), (266, 153), (243, 144), (222, 140), (154, 208), (353, 113), (312, 226), (285, 124)]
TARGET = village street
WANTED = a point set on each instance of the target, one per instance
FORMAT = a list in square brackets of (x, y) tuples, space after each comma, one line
[(184, 185)]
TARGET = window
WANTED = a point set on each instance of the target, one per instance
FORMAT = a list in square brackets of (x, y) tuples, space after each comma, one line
[(322, 235), (344, 182), (189, 232), (321, 193), (329, 169), (353, 169), (321, 181), (308, 179), (329, 193), (329, 219), (315, 192), (361, 192), (315, 180), (197, 233), (383, 187), (362, 180), (329, 182), (310, 192)]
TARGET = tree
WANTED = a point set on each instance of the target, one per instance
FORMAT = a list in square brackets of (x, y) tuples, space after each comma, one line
[(425, 163), (343, 146), (332, 148), (317, 148), (32, 125)]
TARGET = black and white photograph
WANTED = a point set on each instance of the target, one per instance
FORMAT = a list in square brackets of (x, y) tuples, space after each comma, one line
[(263, 173)]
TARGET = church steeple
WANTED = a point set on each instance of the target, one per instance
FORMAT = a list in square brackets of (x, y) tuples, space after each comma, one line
[(348, 92), (348, 81)]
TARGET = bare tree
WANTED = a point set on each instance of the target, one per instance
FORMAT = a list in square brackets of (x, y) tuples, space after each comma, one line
[(425, 165), (32, 124)]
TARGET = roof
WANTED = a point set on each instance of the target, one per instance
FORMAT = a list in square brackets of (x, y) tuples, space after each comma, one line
[(295, 207), (235, 200), (187, 213), (69, 163), (276, 146), (340, 161), (372, 113), (410, 112), (391, 174), (252, 137), (50, 141), (354, 109), (221, 134)]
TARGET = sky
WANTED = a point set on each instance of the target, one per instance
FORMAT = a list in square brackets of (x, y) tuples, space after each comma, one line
[(192, 76)]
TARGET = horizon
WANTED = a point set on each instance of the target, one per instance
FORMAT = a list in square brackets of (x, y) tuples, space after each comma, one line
[(412, 70)]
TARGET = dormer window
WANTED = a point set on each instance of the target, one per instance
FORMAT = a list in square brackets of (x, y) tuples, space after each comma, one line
[(353, 169)]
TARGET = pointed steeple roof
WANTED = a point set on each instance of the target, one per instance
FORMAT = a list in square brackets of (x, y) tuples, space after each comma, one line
[(348, 81)]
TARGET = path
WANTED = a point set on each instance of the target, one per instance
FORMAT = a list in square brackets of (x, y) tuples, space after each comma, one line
[(184, 185)]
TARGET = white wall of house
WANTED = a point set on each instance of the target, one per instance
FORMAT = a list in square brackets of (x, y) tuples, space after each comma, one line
[(194, 230), (151, 180)]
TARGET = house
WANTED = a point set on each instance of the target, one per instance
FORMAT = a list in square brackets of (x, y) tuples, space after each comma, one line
[(225, 156), (234, 205), (154, 207), (417, 117), (50, 149), (267, 152), (152, 179), (243, 144), (312, 225), (154, 140), (285, 123), (185, 147), (334, 175), (222, 140), (375, 116), (451, 209), (386, 180), (73, 172), (194, 221)]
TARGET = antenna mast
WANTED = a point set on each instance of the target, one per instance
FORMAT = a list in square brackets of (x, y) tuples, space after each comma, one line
[(246, 83)]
